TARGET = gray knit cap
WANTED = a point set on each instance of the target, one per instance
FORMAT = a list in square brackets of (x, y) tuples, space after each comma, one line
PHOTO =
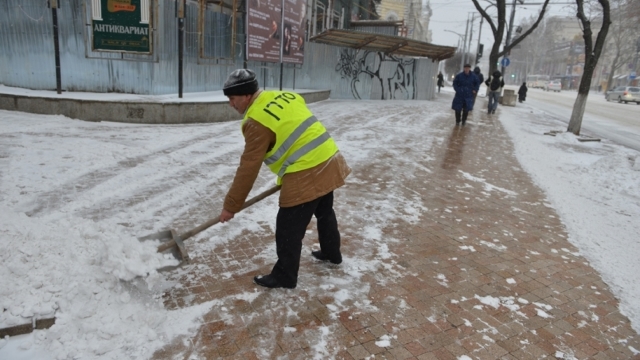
[(241, 82)]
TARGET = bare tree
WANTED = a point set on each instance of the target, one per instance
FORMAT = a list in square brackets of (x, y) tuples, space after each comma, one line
[(533, 53), (498, 29), (592, 54)]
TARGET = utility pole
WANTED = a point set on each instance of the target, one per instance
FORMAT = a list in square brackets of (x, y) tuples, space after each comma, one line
[(635, 62), (464, 45), (479, 48), (513, 14), (56, 43), (181, 16), (473, 19), (461, 42)]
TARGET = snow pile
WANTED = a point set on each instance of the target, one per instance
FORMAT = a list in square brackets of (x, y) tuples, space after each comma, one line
[(93, 278)]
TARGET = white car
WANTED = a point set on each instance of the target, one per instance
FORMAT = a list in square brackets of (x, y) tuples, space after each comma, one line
[(553, 85), (624, 94)]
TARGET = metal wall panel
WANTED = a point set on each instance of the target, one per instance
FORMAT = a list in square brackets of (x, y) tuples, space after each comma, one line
[(27, 58), (361, 74)]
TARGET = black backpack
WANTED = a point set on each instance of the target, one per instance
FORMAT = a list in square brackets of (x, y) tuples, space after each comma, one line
[(495, 83)]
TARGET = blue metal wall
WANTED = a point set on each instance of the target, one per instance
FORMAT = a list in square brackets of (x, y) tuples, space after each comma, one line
[(27, 58)]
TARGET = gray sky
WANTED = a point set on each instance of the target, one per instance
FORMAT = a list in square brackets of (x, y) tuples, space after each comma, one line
[(452, 15)]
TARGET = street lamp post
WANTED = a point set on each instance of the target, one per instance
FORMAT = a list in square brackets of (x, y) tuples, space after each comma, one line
[(463, 46)]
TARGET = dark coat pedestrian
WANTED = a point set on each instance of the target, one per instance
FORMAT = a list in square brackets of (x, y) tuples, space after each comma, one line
[(440, 81), (465, 84), (478, 73), (522, 92)]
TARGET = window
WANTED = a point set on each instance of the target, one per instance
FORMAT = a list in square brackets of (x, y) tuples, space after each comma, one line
[(144, 11), (218, 29), (96, 10)]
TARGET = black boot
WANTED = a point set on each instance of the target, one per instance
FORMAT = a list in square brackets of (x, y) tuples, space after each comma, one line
[(458, 115), (322, 257), (270, 281)]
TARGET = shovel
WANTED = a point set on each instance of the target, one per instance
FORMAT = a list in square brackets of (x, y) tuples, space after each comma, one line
[(171, 240)]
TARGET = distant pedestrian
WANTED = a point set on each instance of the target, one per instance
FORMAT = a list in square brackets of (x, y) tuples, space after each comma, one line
[(466, 85), (478, 73), (440, 81), (522, 92), (495, 83)]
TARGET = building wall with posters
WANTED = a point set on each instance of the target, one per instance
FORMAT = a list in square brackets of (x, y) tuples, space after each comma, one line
[(27, 57)]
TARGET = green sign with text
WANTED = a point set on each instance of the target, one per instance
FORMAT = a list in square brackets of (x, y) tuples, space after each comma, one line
[(121, 25)]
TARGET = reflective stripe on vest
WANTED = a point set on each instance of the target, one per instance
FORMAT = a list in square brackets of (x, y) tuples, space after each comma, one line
[(286, 145), (302, 142), (303, 151)]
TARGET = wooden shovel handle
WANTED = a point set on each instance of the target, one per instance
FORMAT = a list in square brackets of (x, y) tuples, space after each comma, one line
[(210, 223)]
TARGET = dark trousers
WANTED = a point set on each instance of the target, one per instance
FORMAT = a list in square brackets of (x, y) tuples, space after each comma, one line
[(291, 225), (494, 97), (462, 115)]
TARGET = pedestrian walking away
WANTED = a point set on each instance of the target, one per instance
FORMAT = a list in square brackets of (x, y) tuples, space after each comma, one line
[(440, 81), (280, 130), (522, 92), (478, 73), (466, 86), (495, 83)]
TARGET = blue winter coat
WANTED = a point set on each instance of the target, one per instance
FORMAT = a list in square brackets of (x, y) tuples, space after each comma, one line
[(464, 85)]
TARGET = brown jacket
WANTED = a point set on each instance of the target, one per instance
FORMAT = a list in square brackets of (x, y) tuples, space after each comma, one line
[(297, 188)]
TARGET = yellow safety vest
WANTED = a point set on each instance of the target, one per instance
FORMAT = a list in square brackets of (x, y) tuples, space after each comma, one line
[(302, 142)]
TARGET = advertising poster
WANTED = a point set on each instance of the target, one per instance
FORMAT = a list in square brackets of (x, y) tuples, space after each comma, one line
[(119, 26), (264, 32)]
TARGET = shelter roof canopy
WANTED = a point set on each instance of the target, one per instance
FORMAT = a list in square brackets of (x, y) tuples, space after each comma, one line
[(388, 44)]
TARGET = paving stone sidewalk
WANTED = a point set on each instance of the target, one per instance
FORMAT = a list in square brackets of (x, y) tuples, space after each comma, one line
[(486, 277)]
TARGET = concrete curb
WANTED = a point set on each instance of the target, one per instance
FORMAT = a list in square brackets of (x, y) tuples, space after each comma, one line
[(137, 112), (38, 324)]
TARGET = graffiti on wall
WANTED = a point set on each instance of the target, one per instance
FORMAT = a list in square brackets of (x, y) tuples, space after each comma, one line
[(391, 78)]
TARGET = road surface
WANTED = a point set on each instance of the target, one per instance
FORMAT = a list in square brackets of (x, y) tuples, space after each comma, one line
[(619, 123)]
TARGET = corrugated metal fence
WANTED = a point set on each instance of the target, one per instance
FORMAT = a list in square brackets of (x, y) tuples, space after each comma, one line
[(27, 58)]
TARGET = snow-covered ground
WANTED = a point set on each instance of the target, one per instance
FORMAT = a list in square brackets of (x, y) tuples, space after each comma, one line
[(70, 248), (595, 187)]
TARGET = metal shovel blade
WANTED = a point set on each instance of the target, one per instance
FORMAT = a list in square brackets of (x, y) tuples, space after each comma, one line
[(171, 238)]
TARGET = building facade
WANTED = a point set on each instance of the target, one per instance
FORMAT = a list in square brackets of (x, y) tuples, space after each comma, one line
[(147, 55)]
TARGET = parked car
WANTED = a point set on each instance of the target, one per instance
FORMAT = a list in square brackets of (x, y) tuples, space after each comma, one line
[(553, 85), (624, 94)]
